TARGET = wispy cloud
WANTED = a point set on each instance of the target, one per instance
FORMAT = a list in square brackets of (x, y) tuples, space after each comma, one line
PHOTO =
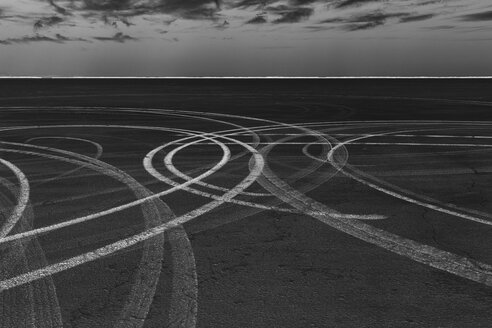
[(118, 37), (366, 20), (190, 9), (47, 22), (58, 38), (118, 17), (482, 16), (109, 5), (60, 10), (258, 19), (290, 14), (416, 18), (350, 3)]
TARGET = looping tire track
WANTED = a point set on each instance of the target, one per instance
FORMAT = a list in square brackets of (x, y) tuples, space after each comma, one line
[(160, 220), (42, 308)]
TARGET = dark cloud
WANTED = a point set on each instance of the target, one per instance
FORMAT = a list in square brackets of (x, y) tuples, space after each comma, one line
[(106, 21), (39, 38), (365, 21), (189, 9), (416, 18), (350, 3), (170, 21), (118, 37), (302, 2), (441, 27), (198, 13), (483, 16), (319, 28), (113, 20), (47, 22), (58, 9), (222, 25), (253, 3), (259, 19), (279, 8), (108, 5), (364, 26), (119, 13), (333, 20), (291, 14), (376, 17), (116, 12), (125, 21), (62, 37), (425, 3)]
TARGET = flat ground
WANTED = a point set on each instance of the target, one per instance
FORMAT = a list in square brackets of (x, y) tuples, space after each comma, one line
[(246, 203)]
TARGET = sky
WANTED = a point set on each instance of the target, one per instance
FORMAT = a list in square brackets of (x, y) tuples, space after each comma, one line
[(245, 38)]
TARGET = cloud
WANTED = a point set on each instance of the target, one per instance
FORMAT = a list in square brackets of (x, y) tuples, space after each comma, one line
[(58, 9), (349, 15), (109, 5), (223, 25), (365, 21), (40, 38), (113, 20), (290, 14), (333, 20), (197, 13), (47, 22), (483, 16), (259, 19), (351, 3), (36, 38), (190, 9), (118, 37), (252, 3), (319, 28), (302, 2), (441, 27), (376, 17), (364, 26), (416, 18)]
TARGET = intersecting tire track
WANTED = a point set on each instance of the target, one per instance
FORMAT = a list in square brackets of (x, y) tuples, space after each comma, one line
[(26, 276)]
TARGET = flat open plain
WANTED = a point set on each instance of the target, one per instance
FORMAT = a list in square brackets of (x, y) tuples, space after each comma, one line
[(245, 203)]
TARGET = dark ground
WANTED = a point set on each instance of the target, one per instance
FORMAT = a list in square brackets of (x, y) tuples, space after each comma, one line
[(270, 269)]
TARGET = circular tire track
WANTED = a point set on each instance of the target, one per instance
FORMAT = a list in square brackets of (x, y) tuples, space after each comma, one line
[(243, 149)]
